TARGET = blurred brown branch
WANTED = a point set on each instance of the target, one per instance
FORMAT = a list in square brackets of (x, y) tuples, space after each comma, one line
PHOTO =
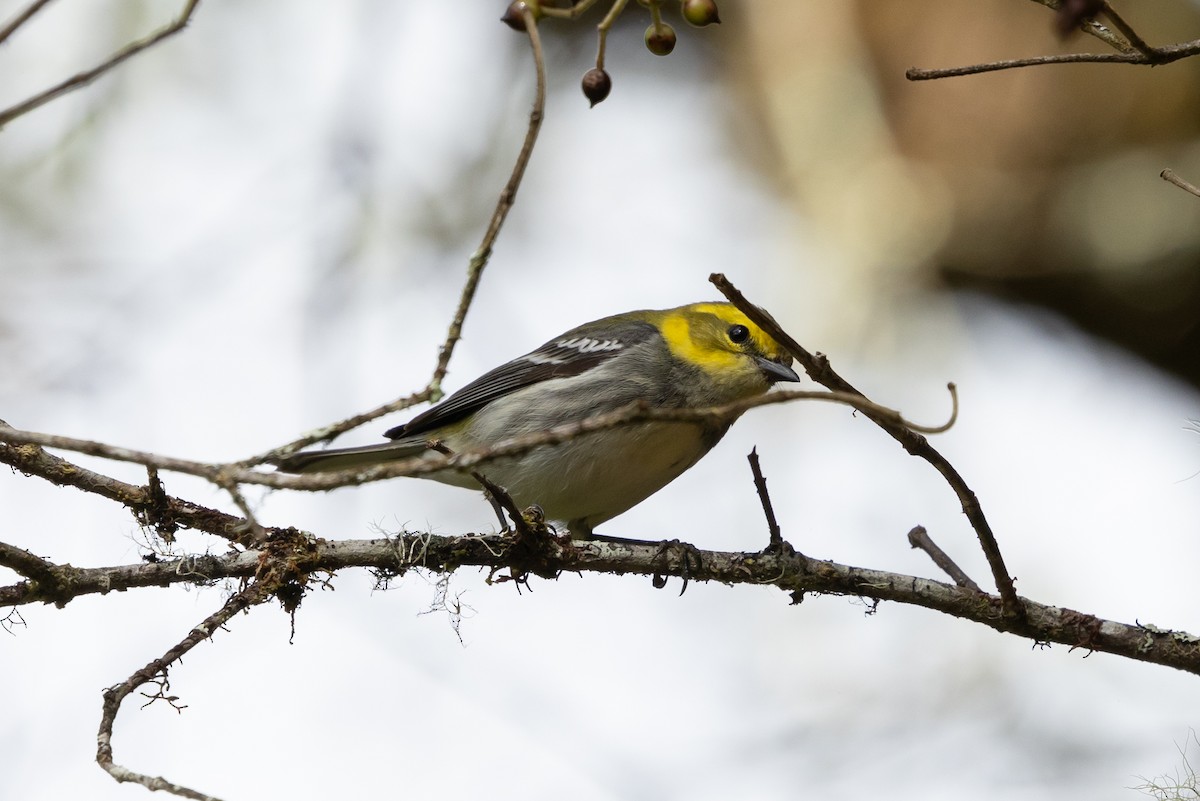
[(1130, 46)]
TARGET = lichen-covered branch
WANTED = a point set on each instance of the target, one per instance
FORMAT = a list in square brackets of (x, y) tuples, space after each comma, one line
[(792, 573)]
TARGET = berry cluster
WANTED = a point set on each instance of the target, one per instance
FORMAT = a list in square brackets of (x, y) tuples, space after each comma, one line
[(659, 37)]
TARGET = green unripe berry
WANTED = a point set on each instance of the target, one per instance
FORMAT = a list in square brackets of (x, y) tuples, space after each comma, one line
[(660, 39), (700, 12)]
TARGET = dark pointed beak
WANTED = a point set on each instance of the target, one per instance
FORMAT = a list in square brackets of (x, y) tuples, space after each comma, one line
[(776, 371)]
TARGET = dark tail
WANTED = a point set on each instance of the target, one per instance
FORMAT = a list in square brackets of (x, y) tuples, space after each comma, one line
[(347, 458)]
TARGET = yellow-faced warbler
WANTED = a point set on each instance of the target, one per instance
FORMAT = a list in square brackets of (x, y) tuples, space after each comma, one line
[(705, 354)]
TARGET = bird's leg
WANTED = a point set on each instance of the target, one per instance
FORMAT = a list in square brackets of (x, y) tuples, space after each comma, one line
[(498, 509)]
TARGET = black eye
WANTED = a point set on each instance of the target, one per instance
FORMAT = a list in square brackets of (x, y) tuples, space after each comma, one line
[(738, 334)]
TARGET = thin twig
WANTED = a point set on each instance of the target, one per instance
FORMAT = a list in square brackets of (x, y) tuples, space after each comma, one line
[(1128, 32), (156, 668), (239, 500), (919, 538), (419, 466), (1163, 55), (1171, 176), (573, 12), (775, 540), (84, 78), (329, 432), (497, 493), (818, 368), (603, 27), (507, 198), (433, 390), (148, 505), (20, 19), (1094, 28)]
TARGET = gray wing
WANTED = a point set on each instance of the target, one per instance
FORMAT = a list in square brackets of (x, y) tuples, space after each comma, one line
[(568, 355)]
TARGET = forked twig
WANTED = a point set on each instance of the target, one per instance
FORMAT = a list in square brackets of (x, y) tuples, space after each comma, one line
[(819, 369), (86, 77), (507, 198), (113, 696), (475, 267)]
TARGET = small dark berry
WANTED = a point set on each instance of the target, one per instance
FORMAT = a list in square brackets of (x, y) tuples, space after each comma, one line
[(513, 17), (596, 85)]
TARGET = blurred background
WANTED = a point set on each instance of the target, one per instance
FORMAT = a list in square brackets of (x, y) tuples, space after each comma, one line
[(263, 225)]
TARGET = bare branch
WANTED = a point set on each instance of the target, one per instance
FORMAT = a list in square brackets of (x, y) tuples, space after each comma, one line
[(328, 432), (1094, 28), (819, 369), (84, 78), (20, 19), (463, 460), (156, 670), (1162, 55), (507, 198), (475, 267), (1135, 39), (790, 572), (151, 506), (29, 565), (919, 538), (497, 494), (775, 536), (1172, 177)]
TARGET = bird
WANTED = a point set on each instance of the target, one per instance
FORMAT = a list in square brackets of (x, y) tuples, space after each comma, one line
[(694, 356)]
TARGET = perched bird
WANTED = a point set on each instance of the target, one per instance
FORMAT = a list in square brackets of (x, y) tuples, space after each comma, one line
[(705, 354)]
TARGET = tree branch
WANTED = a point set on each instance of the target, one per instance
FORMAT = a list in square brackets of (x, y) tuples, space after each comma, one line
[(433, 390), (151, 507), (1172, 177), (1093, 28), (27, 564), (20, 19), (84, 78), (1162, 55), (221, 474), (818, 369), (918, 537), (156, 670), (792, 573)]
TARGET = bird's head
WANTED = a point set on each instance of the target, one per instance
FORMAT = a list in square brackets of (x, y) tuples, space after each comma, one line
[(740, 359)]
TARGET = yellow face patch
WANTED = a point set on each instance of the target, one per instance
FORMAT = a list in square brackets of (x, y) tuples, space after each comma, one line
[(699, 334)]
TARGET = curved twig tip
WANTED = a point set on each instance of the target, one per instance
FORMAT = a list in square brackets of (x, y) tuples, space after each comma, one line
[(946, 426)]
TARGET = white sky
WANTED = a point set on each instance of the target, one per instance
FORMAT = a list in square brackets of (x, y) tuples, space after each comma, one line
[(263, 226)]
